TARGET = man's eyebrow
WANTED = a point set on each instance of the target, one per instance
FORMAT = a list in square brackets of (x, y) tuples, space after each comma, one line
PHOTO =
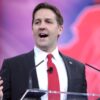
[(49, 18), (39, 19), (36, 19)]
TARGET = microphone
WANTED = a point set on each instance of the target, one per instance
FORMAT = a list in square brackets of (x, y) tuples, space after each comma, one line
[(30, 77), (50, 70), (92, 67)]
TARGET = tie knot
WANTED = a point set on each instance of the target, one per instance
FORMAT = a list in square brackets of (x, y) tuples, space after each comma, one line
[(49, 56)]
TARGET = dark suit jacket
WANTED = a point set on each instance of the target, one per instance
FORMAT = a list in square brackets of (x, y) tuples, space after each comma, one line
[(15, 73)]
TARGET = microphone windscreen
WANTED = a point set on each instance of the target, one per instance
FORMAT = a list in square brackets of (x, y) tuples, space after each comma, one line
[(50, 70)]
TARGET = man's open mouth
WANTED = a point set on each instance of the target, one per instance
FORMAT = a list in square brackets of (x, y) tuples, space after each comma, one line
[(43, 35)]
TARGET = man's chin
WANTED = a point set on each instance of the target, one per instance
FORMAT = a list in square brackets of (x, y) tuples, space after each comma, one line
[(43, 47)]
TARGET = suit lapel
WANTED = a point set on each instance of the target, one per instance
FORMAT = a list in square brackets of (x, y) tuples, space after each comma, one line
[(67, 63), (32, 69)]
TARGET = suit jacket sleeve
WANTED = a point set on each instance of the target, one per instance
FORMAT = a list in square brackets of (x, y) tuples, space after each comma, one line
[(5, 74)]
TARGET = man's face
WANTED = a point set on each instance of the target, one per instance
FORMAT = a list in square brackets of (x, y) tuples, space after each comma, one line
[(46, 29)]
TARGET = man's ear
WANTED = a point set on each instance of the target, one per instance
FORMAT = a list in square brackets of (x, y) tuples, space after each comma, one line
[(60, 29)]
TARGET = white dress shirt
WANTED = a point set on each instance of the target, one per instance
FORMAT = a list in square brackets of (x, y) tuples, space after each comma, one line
[(42, 71)]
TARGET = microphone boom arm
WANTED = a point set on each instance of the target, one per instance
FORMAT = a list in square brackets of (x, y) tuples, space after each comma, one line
[(92, 67)]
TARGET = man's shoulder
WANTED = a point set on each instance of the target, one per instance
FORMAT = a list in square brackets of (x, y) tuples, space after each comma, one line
[(20, 57), (70, 59)]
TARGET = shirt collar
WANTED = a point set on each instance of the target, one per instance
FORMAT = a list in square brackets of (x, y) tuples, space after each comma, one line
[(39, 54)]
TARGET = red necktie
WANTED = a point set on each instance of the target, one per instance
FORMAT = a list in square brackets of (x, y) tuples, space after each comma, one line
[(53, 80)]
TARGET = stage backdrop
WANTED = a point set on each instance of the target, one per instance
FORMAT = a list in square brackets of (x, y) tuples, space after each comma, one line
[(80, 38)]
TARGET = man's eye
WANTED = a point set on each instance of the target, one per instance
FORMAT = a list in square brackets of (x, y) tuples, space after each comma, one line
[(36, 22), (48, 21)]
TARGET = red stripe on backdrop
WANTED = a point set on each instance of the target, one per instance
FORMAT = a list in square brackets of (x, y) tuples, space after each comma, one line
[(87, 48)]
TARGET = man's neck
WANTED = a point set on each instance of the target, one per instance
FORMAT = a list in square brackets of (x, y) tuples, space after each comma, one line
[(46, 49)]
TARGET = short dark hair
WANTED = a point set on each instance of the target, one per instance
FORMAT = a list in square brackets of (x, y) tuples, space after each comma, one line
[(45, 5)]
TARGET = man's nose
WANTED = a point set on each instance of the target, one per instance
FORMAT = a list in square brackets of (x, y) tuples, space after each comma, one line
[(42, 25)]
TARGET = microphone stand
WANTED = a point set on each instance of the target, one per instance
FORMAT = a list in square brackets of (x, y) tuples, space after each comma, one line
[(92, 67), (30, 77)]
